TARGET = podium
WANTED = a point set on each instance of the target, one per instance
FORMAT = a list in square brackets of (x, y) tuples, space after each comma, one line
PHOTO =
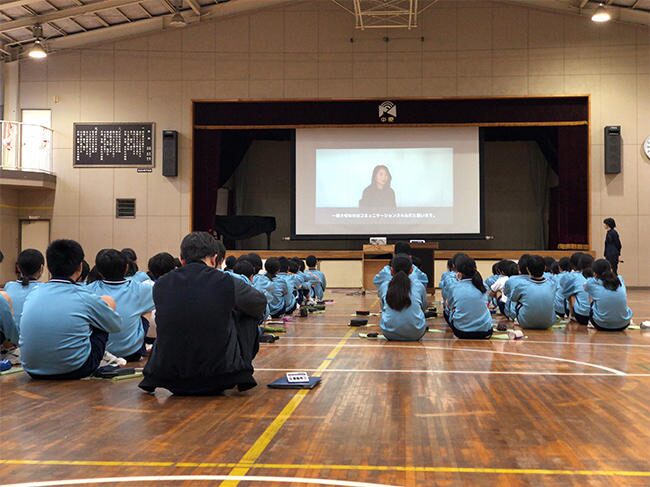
[(375, 257)]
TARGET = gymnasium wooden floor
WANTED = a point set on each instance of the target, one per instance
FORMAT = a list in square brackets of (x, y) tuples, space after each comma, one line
[(562, 407)]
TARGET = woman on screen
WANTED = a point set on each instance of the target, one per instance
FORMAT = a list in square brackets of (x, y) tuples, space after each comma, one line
[(379, 194)]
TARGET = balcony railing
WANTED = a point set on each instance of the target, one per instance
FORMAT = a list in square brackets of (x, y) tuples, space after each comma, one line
[(26, 147)]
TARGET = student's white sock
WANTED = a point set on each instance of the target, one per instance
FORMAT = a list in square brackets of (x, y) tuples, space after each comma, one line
[(110, 359)]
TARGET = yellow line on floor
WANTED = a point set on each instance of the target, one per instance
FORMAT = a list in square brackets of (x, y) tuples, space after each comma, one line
[(255, 451), (358, 468)]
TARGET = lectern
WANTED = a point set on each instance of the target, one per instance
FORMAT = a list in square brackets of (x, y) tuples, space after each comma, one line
[(377, 256)]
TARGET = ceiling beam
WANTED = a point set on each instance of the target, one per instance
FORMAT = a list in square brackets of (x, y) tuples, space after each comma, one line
[(66, 13), (195, 6)]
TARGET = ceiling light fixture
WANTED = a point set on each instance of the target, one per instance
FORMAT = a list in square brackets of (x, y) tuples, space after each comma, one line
[(37, 51), (177, 19), (601, 14)]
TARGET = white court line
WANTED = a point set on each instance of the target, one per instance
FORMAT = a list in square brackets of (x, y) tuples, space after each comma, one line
[(475, 350), (519, 342), (178, 478), (451, 372)]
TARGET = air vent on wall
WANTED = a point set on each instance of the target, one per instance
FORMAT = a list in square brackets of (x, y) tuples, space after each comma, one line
[(125, 208)]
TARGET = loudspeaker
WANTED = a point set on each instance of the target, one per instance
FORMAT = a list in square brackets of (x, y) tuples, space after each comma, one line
[(612, 149), (170, 153)]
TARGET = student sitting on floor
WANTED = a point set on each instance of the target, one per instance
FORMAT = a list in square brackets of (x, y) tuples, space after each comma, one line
[(201, 349), (549, 262), (243, 269), (316, 277), (573, 287), (385, 275), (523, 274), (533, 298), (64, 327), (289, 286), (30, 269), (133, 299), (271, 287), (230, 262), (8, 329), (298, 280), (132, 271), (160, 264), (403, 302), (562, 267), (448, 279), (609, 309), (469, 315), (491, 280), (506, 269), (306, 284)]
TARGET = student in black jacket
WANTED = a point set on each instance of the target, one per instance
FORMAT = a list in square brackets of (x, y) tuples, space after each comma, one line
[(612, 244), (201, 349)]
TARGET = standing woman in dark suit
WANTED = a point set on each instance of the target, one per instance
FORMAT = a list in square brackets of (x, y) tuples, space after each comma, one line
[(612, 243)]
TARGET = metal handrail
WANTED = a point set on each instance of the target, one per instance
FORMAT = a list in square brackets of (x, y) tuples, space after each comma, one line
[(26, 146)]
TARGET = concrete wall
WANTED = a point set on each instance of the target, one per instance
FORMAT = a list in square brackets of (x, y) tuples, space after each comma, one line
[(470, 48)]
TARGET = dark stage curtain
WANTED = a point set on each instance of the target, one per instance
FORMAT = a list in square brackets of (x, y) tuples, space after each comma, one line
[(207, 168), (569, 202)]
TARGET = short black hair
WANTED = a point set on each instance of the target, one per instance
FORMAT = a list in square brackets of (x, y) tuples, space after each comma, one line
[(300, 262), (244, 268), (311, 261), (256, 262), (609, 222), (93, 276), (196, 246), (272, 267), (111, 264), (293, 266), (231, 260), (130, 254), (549, 261), (536, 265), (131, 258), (284, 264), (64, 258), (160, 264), (523, 264), (564, 264), (402, 248), (85, 270)]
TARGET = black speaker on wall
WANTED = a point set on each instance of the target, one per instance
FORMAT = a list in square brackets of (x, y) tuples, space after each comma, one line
[(170, 153), (612, 149)]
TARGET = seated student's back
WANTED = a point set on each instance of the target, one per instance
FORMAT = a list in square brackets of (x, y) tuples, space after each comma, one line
[(562, 268), (132, 272), (533, 298), (133, 300), (269, 285), (289, 286), (573, 287), (469, 315), (160, 264), (403, 303), (64, 327), (610, 311), (30, 267), (8, 330), (523, 275), (317, 278)]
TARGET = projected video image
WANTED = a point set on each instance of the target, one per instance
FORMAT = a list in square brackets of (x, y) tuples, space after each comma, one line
[(387, 181), (384, 178)]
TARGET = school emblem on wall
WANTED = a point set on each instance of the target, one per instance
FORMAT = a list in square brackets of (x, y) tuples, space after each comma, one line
[(387, 111)]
